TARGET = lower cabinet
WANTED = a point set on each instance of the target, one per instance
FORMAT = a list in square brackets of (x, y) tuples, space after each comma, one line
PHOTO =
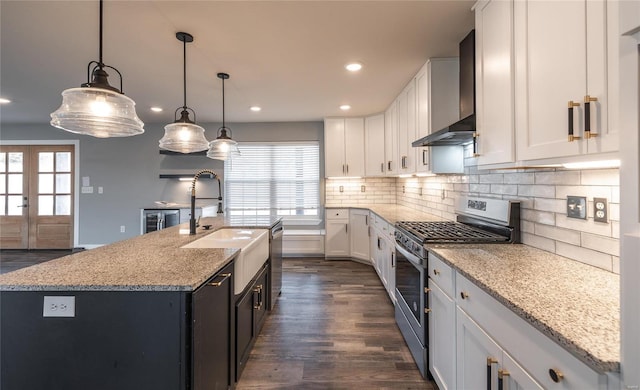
[(481, 360), (251, 311), (359, 234), (337, 233), (383, 253), (442, 338), (477, 342), (212, 330)]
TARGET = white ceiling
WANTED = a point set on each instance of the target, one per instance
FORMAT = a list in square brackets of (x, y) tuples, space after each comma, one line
[(286, 56)]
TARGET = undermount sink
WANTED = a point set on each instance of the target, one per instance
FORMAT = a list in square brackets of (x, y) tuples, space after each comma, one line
[(254, 251)]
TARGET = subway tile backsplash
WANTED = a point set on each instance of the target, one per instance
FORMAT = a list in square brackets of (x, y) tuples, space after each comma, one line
[(542, 192)]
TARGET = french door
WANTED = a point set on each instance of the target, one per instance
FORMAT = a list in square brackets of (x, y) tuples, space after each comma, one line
[(36, 196)]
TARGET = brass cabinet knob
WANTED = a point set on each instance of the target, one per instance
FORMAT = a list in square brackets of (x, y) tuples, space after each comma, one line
[(556, 375), (464, 294)]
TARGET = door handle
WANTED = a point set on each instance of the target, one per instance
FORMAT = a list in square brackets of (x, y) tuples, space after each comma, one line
[(570, 127), (587, 116)]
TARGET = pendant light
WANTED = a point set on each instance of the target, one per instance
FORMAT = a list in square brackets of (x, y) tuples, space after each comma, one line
[(183, 135), (223, 147), (97, 108)]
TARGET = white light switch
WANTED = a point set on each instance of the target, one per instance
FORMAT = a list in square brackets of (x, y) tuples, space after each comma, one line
[(59, 306), (100, 190)]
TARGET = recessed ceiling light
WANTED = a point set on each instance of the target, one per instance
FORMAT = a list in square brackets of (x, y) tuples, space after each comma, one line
[(255, 108), (353, 67), (345, 107), (156, 109), (4, 101)]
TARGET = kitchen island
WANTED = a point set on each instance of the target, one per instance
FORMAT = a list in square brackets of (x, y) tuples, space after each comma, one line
[(144, 313)]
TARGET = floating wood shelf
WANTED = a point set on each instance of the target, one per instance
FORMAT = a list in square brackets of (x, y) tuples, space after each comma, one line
[(184, 176), (171, 153)]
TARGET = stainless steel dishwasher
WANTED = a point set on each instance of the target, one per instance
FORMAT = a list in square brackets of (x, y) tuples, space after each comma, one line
[(275, 256)]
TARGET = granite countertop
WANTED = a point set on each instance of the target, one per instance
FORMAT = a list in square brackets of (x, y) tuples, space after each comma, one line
[(574, 304), (152, 262), (392, 213)]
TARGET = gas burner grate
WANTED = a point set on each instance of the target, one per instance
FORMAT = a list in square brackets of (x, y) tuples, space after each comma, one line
[(448, 232)]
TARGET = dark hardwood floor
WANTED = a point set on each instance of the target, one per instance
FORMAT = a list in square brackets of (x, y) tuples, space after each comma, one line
[(333, 328), (13, 259)]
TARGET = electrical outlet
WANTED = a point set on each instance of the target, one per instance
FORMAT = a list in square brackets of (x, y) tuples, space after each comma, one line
[(341, 188), (122, 229), (59, 306), (443, 194), (363, 188), (600, 213), (577, 207)]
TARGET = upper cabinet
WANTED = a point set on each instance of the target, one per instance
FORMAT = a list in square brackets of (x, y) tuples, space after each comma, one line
[(494, 82), (344, 147), (546, 80), (374, 156), (437, 103), (391, 139), (407, 129), (562, 59)]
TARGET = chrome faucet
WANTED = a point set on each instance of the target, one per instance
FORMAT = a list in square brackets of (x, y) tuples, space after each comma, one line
[(192, 220)]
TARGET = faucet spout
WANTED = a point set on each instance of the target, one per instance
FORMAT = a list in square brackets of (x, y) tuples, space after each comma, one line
[(192, 220)]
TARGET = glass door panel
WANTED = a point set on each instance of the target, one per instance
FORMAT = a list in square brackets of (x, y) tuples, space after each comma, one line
[(13, 197)]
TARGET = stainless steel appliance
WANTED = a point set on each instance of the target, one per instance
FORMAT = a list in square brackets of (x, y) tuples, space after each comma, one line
[(276, 263), (477, 221), (158, 219), (461, 132)]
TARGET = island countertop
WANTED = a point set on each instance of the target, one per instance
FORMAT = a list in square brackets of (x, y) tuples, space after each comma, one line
[(152, 262)]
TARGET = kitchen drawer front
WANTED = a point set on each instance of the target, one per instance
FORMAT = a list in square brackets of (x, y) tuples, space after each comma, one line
[(442, 274), (534, 351), (337, 213)]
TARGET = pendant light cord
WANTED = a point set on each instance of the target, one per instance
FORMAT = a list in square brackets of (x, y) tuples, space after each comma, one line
[(184, 73), (100, 64), (223, 102)]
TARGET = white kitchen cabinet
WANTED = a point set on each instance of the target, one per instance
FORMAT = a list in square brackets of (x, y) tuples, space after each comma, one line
[(535, 353), (374, 154), (336, 233), (383, 248), (392, 167), (344, 147), (442, 337), (407, 128), (494, 82), (359, 234), (480, 360), (564, 52), (437, 102)]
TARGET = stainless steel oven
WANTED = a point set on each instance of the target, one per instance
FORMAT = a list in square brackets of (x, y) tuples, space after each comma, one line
[(477, 221)]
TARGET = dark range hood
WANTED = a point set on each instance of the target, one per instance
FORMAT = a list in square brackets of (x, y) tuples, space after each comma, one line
[(462, 131)]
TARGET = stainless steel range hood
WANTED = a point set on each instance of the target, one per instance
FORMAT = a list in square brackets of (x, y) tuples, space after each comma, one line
[(462, 131)]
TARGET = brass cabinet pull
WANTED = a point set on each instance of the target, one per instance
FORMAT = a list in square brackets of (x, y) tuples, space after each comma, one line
[(389, 166), (587, 116), (219, 283), (381, 167), (490, 362), (424, 157), (503, 383), (347, 169), (571, 105), (427, 311), (426, 290), (464, 294), (475, 144), (556, 375), (436, 272)]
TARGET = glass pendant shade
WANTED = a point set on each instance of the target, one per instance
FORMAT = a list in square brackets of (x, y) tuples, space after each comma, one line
[(97, 112), (223, 149), (183, 137)]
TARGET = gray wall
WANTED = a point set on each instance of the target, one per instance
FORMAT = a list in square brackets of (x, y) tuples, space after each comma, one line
[(128, 170)]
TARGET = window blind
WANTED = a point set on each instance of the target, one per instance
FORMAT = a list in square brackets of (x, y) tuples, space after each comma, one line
[(280, 178)]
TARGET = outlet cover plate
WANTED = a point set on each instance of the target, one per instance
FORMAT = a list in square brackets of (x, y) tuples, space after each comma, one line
[(600, 213), (59, 306), (577, 207)]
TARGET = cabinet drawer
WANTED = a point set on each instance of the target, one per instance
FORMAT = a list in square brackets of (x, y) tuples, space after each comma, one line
[(534, 351), (337, 213), (441, 274)]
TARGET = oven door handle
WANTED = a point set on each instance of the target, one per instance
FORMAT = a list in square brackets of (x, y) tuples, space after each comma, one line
[(408, 255)]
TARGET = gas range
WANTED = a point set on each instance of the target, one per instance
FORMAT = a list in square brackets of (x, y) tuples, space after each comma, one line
[(477, 221)]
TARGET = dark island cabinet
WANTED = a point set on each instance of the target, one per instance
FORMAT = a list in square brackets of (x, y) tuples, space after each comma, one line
[(212, 333), (121, 339), (251, 310)]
